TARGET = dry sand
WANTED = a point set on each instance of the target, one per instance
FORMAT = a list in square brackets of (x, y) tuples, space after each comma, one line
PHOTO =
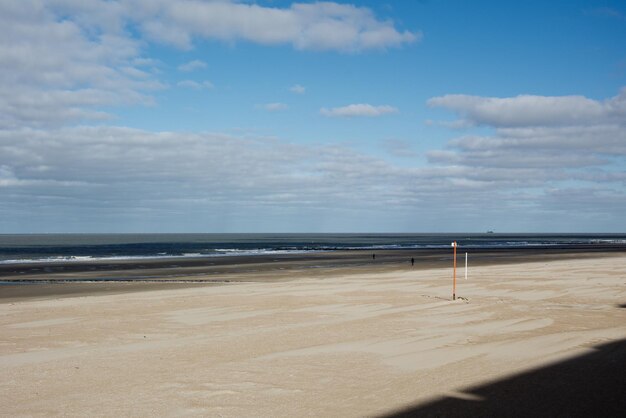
[(348, 344)]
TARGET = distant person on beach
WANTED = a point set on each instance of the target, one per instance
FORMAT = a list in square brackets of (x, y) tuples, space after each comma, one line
[(374, 256), (412, 261)]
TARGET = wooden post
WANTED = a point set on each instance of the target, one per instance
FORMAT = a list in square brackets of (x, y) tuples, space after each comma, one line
[(454, 276)]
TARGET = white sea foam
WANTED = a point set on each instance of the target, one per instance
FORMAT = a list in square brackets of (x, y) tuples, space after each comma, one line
[(78, 258), (162, 256), (255, 251), (43, 249)]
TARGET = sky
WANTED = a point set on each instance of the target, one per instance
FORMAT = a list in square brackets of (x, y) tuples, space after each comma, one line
[(278, 116)]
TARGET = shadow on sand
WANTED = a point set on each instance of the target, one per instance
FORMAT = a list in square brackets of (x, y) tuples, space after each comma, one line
[(591, 385)]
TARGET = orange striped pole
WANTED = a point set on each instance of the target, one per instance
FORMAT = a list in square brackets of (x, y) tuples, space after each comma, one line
[(454, 277)]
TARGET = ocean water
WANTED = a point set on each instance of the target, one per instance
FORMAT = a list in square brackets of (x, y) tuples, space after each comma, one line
[(29, 248)]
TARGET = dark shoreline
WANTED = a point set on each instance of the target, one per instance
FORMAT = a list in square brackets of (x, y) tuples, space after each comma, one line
[(72, 278)]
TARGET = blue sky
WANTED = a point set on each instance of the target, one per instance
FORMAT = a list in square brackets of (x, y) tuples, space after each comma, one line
[(274, 116)]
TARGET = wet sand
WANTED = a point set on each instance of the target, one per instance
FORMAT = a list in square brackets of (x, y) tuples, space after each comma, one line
[(350, 342), (40, 280)]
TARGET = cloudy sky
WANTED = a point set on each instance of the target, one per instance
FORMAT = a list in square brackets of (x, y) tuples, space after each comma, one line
[(273, 116)]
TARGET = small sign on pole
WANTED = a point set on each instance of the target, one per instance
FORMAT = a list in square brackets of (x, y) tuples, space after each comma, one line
[(454, 275)]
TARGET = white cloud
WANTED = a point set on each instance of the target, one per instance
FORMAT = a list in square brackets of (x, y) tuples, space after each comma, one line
[(114, 177), (54, 70), (360, 109), (535, 150), (111, 162), (316, 26), (526, 110), (297, 89), (273, 107), (195, 85), (63, 61), (560, 158), (399, 148), (192, 66), (107, 164)]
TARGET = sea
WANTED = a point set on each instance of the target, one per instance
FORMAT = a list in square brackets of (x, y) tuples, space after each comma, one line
[(50, 248)]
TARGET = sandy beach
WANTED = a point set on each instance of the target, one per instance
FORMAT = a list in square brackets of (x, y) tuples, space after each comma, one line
[(543, 338)]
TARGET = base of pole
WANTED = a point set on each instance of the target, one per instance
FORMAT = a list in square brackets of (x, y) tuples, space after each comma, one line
[(453, 296)]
